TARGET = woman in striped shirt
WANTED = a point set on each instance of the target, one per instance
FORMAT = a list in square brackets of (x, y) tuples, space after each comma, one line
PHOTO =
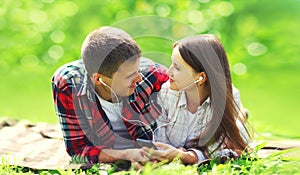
[(202, 116)]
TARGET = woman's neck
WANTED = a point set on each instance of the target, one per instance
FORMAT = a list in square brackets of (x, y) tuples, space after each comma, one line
[(195, 98)]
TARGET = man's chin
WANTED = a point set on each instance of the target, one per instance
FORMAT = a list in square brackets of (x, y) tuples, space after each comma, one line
[(128, 93), (131, 90)]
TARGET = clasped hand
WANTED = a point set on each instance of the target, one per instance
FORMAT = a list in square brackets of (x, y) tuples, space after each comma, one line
[(164, 152)]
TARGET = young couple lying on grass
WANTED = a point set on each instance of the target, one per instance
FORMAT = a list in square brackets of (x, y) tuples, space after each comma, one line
[(112, 97)]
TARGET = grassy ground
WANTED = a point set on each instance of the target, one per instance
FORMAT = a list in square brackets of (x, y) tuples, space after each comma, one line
[(247, 164)]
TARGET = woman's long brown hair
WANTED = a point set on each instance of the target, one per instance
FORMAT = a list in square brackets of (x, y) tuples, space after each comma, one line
[(206, 53)]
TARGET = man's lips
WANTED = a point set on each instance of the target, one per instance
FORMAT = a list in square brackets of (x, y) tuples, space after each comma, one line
[(132, 86)]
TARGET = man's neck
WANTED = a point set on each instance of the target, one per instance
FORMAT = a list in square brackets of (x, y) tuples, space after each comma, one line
[(106, 94)]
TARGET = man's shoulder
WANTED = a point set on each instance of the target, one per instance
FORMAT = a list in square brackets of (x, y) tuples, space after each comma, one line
[(153, 74), (67, 73)]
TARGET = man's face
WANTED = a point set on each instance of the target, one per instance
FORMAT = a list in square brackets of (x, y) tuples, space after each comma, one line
[(125, 79)]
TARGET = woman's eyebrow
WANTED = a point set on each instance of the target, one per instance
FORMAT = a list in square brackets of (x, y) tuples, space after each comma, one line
[(175, 62), (177, 65)]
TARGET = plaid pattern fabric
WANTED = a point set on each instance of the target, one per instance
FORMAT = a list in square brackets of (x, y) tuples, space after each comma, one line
[(86, 127)]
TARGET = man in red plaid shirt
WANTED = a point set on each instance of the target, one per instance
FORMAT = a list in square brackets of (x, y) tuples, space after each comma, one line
[(106, 100)]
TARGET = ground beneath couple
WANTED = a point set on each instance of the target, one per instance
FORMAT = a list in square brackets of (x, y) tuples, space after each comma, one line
[(41, 146)]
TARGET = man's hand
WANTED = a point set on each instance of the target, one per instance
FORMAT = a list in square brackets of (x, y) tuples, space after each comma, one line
[(135, 155), (164, 152), (112, 155)]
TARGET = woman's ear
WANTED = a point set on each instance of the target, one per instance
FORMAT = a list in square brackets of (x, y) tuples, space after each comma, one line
[(202, 78)]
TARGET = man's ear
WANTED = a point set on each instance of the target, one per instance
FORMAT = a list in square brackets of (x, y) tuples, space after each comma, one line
[(96, 77)]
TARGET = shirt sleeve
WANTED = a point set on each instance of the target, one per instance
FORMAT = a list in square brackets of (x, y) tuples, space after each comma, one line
[(77, 144), (155, 72), (199, 154), (162, 76)]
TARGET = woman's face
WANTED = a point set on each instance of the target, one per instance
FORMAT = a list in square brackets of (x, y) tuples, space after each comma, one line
[(181, 74)]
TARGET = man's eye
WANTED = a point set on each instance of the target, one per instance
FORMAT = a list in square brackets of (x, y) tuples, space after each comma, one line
[(130, 76)]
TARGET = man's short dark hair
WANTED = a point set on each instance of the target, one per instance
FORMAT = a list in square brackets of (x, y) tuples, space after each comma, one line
[(106, 48)]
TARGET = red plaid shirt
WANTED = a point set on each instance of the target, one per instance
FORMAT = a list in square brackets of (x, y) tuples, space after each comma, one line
[(86, 127)]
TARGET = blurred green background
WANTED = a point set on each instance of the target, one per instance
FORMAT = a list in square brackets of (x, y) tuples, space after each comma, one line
[(260, 37)]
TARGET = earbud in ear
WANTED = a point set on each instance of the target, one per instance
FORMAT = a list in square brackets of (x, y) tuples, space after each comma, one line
[(200, 78), (100, 79)]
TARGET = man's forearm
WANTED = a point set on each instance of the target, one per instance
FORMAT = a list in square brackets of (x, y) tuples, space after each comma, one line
[(112, 155)]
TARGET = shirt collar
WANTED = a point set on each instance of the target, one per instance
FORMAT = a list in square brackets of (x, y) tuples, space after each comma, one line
[(84, 84), (132, 97)]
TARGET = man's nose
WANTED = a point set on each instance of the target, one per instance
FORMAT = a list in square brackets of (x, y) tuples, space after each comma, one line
[(138, 78)]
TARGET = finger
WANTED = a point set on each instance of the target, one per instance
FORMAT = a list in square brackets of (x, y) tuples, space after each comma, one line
[(182, 149), (145, 149), (150, 154), (146, 152), (137, 165), (144, 159), (162, 145), (158, 154)]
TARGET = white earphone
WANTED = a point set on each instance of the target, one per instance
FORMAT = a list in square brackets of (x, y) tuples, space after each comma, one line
[(200, 79)]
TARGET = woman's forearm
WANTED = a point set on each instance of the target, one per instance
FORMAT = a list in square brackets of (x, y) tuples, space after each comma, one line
[(189, 157)]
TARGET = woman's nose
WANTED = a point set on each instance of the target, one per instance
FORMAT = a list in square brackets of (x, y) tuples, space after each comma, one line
[(169, 71)]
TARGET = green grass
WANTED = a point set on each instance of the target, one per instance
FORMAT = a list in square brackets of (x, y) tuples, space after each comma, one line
[(249, 163)]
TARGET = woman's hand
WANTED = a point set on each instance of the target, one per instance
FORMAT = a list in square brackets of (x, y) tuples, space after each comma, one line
[(164, 152), (168, 153)]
